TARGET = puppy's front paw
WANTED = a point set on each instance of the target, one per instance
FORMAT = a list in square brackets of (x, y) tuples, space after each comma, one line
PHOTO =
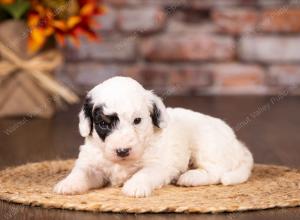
[(136, 188), (70, 186)]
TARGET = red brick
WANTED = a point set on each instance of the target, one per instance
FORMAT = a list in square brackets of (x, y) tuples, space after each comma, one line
[(111, 48), (180, 27), (235, 74), (284, 19), (163, 3), (260, 36), (246, 90), (121, 3), (108, 20), (234, 78), (173, 79), (188, 47), (166, 3), (164, 79), (284, 75), (89, 74), (235, 20), (207, 4), (276, 3), (270, 49), (144, 19)]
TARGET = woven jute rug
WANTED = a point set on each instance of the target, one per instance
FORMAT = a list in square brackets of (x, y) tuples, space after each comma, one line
[(270, 186)]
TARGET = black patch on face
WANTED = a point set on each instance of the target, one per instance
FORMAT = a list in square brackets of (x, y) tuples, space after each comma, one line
[(104, 124), (155, 115), (88, 111)]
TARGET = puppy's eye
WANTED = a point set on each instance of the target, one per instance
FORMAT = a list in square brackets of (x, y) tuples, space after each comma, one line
[(104, 124), (137, 121)]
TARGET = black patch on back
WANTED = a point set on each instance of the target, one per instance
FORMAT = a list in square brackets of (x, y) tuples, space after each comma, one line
[(155, 115), (104, 124), (88, 111)]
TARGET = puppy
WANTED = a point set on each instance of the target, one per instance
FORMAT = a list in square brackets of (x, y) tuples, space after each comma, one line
[(133, 140)]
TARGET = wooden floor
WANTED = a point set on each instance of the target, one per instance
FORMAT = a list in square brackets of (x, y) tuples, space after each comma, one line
[(269, 126)]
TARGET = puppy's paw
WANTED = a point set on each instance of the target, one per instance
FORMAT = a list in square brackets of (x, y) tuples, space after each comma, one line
[(196, 178), (70, 186), (188, 179), (135, 188)]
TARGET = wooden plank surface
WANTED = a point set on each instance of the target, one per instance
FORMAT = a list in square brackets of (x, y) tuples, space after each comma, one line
[(270, 126)]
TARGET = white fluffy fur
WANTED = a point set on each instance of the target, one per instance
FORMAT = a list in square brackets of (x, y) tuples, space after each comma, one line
[(189, 148)]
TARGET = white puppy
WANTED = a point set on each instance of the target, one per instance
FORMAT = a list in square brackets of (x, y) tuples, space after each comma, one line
[(132, 140)]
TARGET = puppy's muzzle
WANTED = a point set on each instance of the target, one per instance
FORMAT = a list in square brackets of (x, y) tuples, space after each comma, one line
[(123, 152)]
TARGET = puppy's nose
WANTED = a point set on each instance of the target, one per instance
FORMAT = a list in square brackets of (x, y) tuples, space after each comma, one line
[(123, 152)]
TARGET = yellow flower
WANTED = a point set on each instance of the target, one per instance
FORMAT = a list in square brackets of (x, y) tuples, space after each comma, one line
[(44, 21)]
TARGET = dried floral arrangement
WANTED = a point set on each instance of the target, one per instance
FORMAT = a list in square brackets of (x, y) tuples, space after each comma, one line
[(29, 33), (54, 18)]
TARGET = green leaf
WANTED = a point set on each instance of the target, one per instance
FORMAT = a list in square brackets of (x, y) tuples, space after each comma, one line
[(17, 9)]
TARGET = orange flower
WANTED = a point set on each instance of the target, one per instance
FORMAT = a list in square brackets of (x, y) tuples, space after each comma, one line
[(61, 22), (6, 2)]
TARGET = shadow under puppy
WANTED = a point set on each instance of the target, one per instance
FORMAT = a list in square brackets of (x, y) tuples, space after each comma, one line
[(133, 140)]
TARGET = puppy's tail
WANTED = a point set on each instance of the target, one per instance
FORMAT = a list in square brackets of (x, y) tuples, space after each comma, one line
[(242, 172)]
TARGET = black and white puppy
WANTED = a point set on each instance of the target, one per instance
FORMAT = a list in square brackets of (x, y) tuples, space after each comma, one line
[(132, 140)]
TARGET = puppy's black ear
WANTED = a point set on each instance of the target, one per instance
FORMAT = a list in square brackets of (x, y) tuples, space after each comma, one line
[(158, 111), (86, 118)]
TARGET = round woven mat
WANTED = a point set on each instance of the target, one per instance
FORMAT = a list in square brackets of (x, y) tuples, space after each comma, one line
[(269, 186)]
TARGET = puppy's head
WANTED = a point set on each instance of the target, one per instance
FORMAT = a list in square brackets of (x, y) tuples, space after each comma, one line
[(121, 117)]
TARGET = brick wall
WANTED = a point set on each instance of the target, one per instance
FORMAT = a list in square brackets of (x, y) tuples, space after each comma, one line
[(194, 47)]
